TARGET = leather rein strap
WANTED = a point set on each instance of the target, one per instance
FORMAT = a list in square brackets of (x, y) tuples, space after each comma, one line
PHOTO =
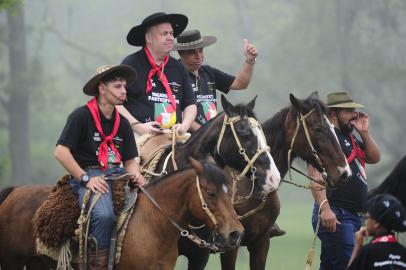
[(185, 233)]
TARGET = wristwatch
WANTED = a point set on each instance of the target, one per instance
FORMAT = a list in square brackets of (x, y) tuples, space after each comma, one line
[(84, 179)]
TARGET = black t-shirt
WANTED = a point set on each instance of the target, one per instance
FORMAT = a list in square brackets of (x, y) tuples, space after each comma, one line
[(82, 138), (351, 195), (382, 256), (204, 86), (155, 106)]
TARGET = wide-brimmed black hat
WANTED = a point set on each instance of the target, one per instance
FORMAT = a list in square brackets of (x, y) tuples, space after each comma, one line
[(342, 100), (91, 87), (136, 36), (192, 39), (387, 210)]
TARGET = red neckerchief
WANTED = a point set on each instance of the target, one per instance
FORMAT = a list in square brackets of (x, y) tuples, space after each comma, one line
[(390, 238), (164, 80), (356, 152), (103, 156)]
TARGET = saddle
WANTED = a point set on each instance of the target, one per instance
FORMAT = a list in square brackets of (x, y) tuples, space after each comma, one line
[(56, 221), (152, 146)]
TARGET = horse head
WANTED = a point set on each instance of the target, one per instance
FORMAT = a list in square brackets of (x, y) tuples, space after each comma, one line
[(245, 148), (213, 205), (312, 138)]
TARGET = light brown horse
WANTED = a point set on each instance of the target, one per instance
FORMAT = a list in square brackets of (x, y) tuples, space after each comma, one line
[(279, 131), (151, 240)]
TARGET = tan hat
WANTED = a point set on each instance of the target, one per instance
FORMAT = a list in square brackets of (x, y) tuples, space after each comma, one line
[(91, 87), (341, 100), (191, 40)]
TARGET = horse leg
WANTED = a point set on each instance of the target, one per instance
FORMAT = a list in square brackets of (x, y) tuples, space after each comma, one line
[(258, 252), (228, 259), (40, 263)]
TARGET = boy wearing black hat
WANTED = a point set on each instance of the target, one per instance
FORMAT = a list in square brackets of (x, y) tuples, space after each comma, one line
[(385, 215), (95, 141), (162, 96), (206, 79)]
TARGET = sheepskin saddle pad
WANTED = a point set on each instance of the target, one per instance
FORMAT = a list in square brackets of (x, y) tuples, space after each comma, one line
[(55, 221)]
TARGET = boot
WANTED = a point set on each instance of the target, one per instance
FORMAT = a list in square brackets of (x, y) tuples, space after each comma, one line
[(276, 231), (99, 263)]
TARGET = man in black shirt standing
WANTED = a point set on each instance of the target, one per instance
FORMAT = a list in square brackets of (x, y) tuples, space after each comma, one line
[(206, 79), (95, 141), (339, 207), (162, 95)]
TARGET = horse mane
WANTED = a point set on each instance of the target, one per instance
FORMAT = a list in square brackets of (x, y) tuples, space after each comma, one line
[(5, 192), (394, 183), (211, 172)]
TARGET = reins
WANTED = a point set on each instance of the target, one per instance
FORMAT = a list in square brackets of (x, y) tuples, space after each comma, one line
[(185, 233)]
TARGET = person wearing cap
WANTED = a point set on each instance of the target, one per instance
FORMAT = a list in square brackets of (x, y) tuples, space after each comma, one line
[(385, 216), (162, 96), (340, 207), (95, 141), (206, 79)]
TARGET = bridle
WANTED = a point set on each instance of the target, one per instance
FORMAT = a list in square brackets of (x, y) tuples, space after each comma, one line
[(185, 233), (301, 121), (230, 121)]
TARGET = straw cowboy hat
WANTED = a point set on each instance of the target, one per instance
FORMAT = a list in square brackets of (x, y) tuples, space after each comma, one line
[(342, 100), (91, 87), (136, 36), (191, 39)]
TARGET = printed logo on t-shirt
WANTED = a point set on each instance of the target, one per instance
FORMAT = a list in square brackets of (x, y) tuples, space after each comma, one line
[(209, 110), (174, 86), (165, 114)]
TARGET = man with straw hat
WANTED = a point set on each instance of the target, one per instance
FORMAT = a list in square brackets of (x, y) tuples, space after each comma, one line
[(206, 79), (95, 141), (162, 96), (340, 207)]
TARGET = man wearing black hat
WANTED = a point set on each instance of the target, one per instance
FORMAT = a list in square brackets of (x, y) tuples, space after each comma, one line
[(95, 141), (339, 208), (206, 79), (163, 90), (385, 216)]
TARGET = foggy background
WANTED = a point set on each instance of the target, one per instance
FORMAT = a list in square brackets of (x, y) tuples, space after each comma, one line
[(49, 49)]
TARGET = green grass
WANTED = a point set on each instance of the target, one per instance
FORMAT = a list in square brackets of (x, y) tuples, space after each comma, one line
[(288, 252)]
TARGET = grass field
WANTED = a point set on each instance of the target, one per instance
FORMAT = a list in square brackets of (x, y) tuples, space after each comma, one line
[(288, 252)]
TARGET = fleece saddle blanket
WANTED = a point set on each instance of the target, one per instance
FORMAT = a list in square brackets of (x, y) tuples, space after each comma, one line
[(55, 221)]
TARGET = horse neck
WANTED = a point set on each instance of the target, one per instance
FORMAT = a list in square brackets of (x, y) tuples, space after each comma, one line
[(276, 137), (202, 142), (172, 195)]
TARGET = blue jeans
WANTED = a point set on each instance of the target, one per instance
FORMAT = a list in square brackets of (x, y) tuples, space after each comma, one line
[(336, 247), (102, 217)]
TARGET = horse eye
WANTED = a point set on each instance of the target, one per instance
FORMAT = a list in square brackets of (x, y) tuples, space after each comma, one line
[(211, 194), (318, 130)]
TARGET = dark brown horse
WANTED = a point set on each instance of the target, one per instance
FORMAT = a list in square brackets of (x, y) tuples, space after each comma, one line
[(279, 132), (233, 139), (151, 240), (394, 183)]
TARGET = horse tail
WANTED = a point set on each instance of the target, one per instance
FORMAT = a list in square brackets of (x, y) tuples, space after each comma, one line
[(5, 192)]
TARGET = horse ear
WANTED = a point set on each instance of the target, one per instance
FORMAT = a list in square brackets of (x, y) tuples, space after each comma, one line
[(297, 104), (229, 108), (314, 95), (251, 104), (197, 166)]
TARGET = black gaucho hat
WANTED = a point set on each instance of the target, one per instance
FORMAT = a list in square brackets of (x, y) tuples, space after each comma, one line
[(387, 210), (136, 36)]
